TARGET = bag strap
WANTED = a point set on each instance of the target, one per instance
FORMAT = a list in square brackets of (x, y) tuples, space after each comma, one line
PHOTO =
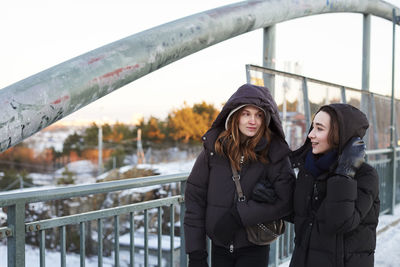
[(236, 179)]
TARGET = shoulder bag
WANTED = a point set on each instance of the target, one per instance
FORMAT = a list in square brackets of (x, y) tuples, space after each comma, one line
[(260, 234)]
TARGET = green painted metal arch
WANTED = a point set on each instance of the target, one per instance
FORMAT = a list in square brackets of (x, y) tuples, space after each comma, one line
[(29, 105)]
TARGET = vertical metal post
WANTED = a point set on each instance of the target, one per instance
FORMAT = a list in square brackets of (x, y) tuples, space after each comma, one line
[(116, 240), (172, 234), (343, 93), (269, 44), (146, 238), (100, 152), (209, 250), (374, 122), (63, 247), (16, 242), (248, 77), (366, 52), (274, 253), (159, 236), (42, 251), (82, 243), (392, 120), (183, 257), (100, 242), (132, 239), (307, 112)]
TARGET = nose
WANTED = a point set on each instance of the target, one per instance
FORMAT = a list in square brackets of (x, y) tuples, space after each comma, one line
[(311, 135), (252, 119)]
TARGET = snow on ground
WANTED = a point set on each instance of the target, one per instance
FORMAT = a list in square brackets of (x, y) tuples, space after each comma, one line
[(53, 258), (42, 179), (124, 240), (83, 170), (169, 168)]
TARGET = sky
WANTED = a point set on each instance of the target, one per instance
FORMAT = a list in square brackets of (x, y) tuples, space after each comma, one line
[(37, 35)]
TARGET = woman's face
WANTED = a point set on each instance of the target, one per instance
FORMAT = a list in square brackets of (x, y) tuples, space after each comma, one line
[(319, 133), (250, 121)]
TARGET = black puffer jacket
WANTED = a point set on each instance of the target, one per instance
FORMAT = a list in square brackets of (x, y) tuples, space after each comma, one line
[(210, 190), (335, 217)]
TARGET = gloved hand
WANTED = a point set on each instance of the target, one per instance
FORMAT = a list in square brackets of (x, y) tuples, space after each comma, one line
[(264, 192), (226, 228), (198, 259), (351, 158)]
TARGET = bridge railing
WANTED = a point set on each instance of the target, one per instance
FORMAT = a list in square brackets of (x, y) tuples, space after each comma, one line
[(299, 97), (19, 226)]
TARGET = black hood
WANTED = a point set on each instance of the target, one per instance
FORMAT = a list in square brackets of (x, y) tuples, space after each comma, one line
[(259, 96), (254, 95), (352, 122)]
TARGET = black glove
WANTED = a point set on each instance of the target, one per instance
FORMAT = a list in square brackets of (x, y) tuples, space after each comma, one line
[(226, 228), (198, 259), (351, 158), (264, 192)]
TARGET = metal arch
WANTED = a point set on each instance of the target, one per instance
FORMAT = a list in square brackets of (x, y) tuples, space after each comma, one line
[(32, 104)]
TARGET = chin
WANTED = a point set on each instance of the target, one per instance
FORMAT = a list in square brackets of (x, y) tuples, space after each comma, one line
[(319, 152)]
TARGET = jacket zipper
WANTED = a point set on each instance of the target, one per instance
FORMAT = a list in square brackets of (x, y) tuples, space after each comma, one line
[(231, 247)]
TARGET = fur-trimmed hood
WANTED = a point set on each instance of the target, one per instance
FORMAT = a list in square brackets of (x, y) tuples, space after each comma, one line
[(259, 96)]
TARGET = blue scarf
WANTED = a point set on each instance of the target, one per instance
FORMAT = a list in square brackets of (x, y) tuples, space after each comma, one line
[(318, 165)]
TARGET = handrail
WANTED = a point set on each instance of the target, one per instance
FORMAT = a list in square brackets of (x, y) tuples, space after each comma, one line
[(7, 199), (17, 227), (42, 99), (99, 214), (309, 79), (379, 151)]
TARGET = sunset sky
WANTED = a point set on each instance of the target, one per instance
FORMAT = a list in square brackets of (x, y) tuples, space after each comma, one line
[(39, 34)]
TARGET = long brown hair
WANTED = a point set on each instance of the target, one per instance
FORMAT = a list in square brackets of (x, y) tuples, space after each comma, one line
[(233, 144)]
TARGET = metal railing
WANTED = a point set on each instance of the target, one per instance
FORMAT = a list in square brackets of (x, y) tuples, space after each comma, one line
[(18, 227)]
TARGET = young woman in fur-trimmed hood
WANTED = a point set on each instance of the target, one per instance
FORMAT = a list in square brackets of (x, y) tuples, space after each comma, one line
[(248, 135)]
